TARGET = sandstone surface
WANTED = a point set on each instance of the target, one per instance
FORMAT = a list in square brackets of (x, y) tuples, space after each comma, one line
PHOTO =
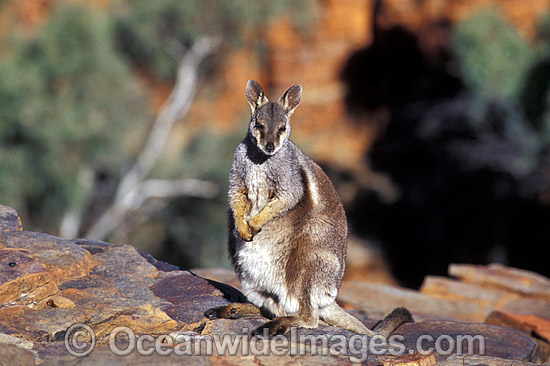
[(48, 285)]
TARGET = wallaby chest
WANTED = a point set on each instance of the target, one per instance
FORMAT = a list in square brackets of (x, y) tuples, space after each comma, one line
[(260, 184)]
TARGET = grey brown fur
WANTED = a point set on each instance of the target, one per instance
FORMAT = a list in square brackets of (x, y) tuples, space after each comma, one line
[(288, 228)]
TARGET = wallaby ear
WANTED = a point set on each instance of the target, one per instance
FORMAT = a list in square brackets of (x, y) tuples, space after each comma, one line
[(291, 98), (255, 95)]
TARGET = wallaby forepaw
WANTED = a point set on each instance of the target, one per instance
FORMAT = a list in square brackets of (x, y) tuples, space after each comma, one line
[(272, 328), (245, 232), (255, 230), (246, 236), (254, 225)]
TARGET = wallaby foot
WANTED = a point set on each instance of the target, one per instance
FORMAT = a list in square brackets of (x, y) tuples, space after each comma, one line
[(283, 324), (233, 311), (307, 317)]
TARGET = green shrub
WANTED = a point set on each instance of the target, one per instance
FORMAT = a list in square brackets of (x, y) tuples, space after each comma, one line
[(67, 100), (495, 59)]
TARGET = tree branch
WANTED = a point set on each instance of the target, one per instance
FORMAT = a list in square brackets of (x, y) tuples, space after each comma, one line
[(161, 188), (175, 107), (132, 191), (151, 188), (72, 220)]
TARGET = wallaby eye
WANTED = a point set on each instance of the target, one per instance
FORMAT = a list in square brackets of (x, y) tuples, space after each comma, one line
[(259, 126), (282, 129)]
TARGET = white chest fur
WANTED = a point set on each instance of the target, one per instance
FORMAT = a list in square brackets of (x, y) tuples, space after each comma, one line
[(262, 274)]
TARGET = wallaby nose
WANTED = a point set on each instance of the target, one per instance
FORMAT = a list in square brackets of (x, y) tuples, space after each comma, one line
[(270, 147)]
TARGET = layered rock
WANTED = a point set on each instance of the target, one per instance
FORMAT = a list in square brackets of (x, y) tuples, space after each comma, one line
[(48, 284)]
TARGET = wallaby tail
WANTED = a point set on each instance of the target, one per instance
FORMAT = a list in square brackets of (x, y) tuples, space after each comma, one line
[(335, 315), (392, 321)]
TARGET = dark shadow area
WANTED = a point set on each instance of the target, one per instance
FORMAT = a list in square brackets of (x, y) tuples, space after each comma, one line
[(229, 292), (465, 195)]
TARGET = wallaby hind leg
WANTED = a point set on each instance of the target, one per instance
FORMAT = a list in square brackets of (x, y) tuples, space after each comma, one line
[(307, 317), (333, 314)]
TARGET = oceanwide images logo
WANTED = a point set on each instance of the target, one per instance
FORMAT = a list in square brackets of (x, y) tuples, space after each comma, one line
[(80, 341)]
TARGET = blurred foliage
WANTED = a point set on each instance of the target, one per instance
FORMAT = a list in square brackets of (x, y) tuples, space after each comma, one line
[(501, 68), (55, 113), (72, 100), (535, 97), (151, 32), (509, 82), (495, 58)]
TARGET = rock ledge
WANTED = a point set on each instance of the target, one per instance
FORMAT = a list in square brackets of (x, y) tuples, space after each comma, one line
[(48, 284)]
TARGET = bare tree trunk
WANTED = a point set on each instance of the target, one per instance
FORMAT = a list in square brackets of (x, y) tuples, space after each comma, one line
[(133, 189), (72, 220)]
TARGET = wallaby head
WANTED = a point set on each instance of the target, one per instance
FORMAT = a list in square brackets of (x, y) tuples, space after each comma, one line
[(270, 122)]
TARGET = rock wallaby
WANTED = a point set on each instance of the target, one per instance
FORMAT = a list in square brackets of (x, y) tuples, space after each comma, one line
[(287, 228)]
